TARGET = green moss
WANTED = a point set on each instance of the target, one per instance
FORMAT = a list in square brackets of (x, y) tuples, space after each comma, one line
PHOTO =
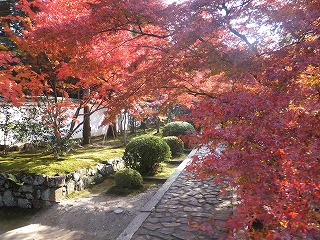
[(39, 163), (166, 170)]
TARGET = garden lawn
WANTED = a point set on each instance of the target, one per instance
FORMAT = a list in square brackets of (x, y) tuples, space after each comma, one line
[(41, 163)]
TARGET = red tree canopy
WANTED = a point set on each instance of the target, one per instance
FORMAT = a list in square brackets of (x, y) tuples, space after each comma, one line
[(249, 68)]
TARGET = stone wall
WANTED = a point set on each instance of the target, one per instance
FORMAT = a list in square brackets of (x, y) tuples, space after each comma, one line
[(36, 191)]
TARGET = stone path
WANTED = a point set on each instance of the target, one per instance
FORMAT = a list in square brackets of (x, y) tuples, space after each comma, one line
[(185, 202)]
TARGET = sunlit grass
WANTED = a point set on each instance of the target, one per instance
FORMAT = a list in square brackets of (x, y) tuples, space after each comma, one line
[(42, 163), (100, 151), (166, 170)]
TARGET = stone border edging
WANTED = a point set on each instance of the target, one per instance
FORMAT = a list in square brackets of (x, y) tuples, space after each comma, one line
[(37, 191), (149, 206)]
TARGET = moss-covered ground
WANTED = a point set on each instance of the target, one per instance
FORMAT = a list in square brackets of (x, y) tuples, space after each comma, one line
[(41, 162)]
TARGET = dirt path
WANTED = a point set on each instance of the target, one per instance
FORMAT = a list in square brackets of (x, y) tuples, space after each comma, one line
[(90, 218)]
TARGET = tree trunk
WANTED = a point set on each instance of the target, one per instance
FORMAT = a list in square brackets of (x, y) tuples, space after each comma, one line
[(158, 124), (125, 128), (86, 133), (143, 126)]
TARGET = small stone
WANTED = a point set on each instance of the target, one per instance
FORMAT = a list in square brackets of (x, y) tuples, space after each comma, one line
[(118, 211), (153, 220), (167, 231), (171, 224), (187, 209), (200, 214), (151, 226), (167, 219)]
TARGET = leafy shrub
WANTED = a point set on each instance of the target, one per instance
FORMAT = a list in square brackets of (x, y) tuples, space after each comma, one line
[(128, 178), (145, 153), (176, 145), (177, 128)]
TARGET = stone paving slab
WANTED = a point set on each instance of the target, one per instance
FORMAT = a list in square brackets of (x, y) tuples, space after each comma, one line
[(188, 202), (185, 201)]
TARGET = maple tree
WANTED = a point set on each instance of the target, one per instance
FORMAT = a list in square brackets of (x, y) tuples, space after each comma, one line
[(250, 69)]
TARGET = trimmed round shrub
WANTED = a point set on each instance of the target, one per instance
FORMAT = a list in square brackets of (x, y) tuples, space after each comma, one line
[(177, 128), (176, 145), (145, 153), (128, 178)]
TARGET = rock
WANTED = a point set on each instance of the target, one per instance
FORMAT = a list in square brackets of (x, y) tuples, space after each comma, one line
[(92, 172), (28, 179), (1, 202), (3, 176), (71, 186), (39, 179), (38, 194), (118, 211), (83, 172), (29, 196), (26, 188), (99, 176), (69, 176), (45, 195), (56, 194), (76, 176), (64, 191), (24, 203), (91, 179), (8, 199), (79, 185), (86, 181), (16, 194), (56, 181), (8, 185), (104, 168)]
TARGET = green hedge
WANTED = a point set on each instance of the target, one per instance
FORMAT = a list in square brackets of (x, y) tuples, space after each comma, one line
[(177, 128), (176, 145), (128, 178), (145, 153)]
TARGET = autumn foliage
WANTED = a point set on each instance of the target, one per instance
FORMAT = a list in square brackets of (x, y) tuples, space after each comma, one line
[(249, 69)]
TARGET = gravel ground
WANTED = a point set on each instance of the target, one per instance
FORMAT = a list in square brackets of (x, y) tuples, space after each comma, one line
[(93, 217)]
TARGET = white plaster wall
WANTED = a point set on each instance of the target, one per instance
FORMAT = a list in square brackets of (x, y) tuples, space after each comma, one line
[(96, 120)]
